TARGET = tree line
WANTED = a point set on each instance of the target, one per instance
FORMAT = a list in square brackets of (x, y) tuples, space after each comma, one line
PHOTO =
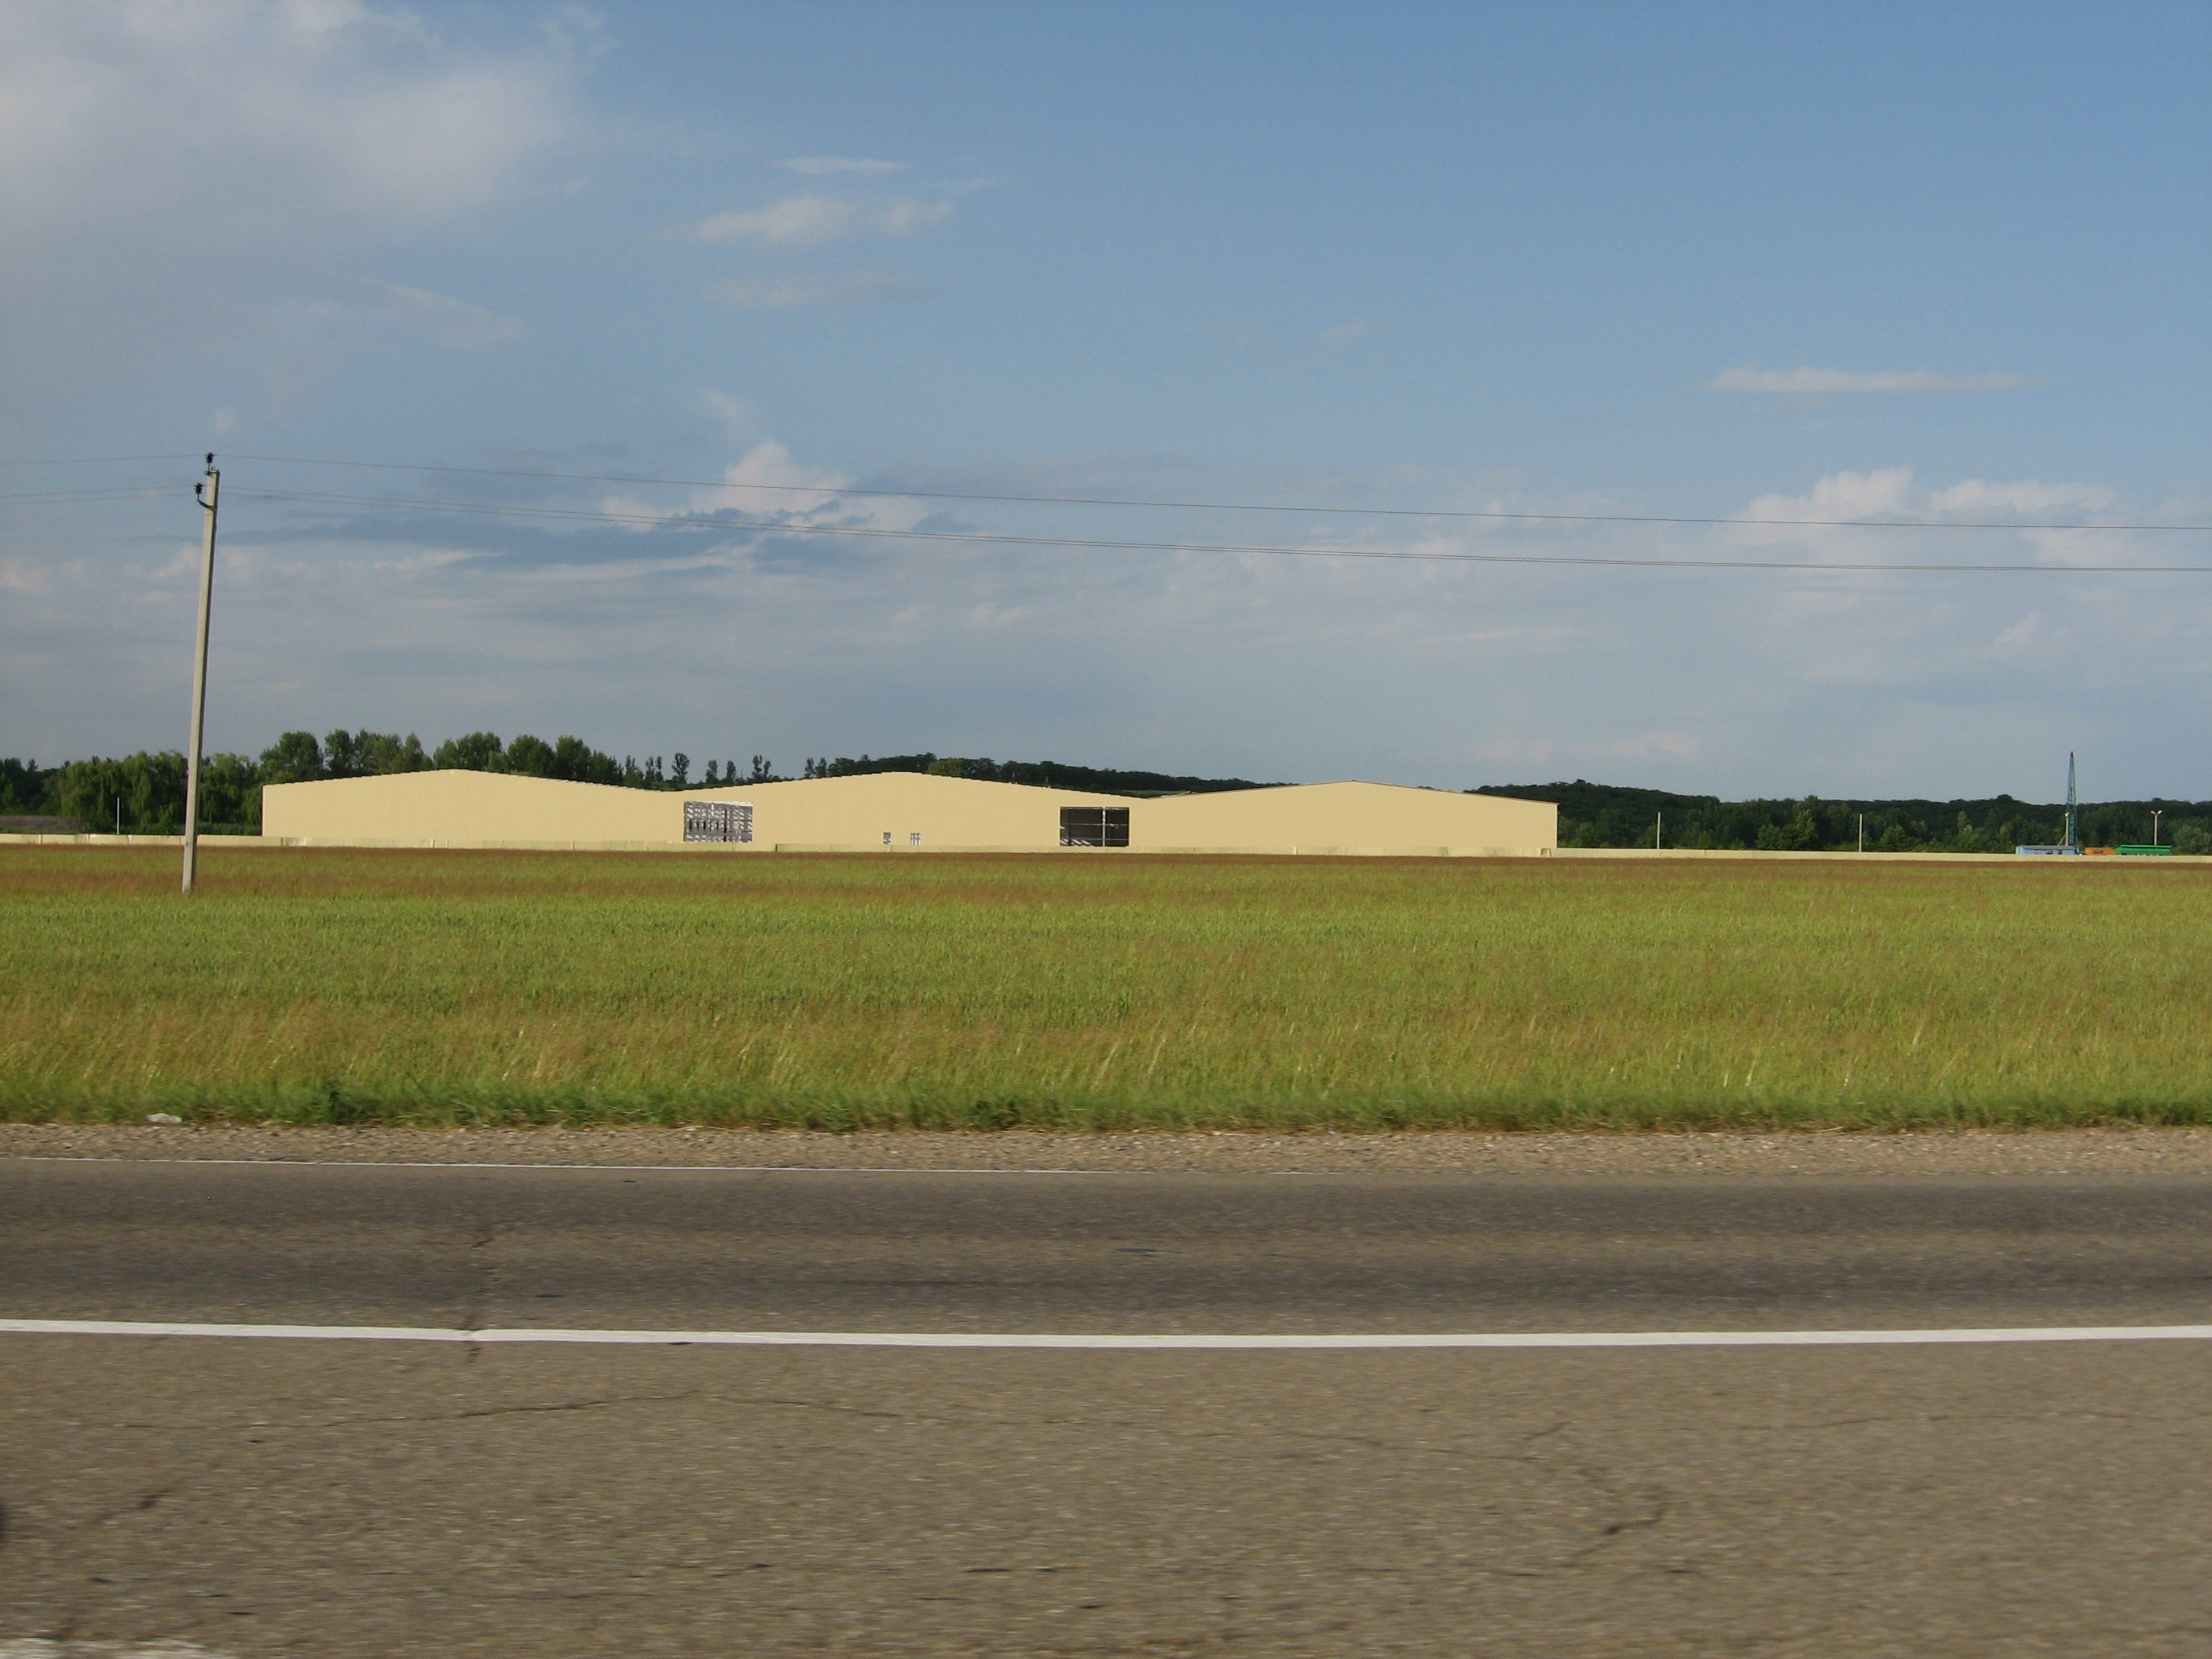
[(144, 793), (1605, 815)]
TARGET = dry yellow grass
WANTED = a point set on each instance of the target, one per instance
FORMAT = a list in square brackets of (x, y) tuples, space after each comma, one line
[(315, 986)]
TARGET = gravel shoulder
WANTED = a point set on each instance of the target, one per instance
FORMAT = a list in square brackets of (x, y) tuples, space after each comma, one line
[(2077, 1153)]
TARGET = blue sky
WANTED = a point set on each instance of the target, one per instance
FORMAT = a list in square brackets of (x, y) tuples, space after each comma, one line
[(1931, 262)]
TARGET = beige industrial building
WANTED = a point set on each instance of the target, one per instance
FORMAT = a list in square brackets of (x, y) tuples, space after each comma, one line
[(899, 812)]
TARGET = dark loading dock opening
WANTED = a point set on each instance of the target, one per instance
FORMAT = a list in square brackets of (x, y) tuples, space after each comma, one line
[(1094, 826)]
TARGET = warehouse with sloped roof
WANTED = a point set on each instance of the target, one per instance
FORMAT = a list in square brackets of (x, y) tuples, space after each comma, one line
[(901, 812)]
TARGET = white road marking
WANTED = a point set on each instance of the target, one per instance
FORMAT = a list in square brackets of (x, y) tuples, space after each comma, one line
[(1101, 1340)]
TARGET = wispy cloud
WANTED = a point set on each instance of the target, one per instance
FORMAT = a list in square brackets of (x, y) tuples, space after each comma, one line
[(1345, 333), (2026, 496), (1676, 745), (816, 166), (1893, 492), (1887, 490), (448, 321), (1739, 681), (809, 221), (339, 129), (1824, 382), (856, 287)]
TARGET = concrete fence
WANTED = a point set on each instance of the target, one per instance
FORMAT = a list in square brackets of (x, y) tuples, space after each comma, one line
[(729, 849)]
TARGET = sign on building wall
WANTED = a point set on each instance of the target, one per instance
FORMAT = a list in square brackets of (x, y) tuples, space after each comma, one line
[(718, 820)]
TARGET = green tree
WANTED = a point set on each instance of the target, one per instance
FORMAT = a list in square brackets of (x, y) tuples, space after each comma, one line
[(25, 786), (230, 793), (341, 756), (296, 757), (1799, 835), (479, 751), (579, 762), (532, 757), (385, 752), (144, 792)]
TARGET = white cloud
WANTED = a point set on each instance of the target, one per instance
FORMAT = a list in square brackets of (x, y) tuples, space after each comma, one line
[(1343, 333), (765, 482), (810, 221), (856, 287), (741, 418), (2090, 548), (1507, 752), (2012, 640), (2026, 495), (261, 112), (23, 576), (814, 166), (1893, 492), (724, 640), (439, 317), (1676, 745), (761, 474), (1820, 382), (1887, 490), (182, 181)]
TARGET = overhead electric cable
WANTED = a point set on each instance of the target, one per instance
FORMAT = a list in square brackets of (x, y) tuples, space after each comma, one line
[(693, 521), (97, 460), (116, 493), (1209, 506)]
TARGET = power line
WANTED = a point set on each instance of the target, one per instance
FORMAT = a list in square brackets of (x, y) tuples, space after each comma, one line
[(97, 460), (693, 522), (118, 493), (1204, 507), (1208, 507)]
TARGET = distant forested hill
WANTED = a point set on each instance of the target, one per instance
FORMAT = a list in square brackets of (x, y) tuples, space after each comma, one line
[(145, 792), (1052, 775), (1608, 815)]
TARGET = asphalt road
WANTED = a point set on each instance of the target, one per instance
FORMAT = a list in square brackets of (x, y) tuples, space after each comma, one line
[(355, 1498)]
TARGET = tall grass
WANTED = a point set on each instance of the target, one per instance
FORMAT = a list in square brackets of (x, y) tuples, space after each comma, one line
[(1107, 991)]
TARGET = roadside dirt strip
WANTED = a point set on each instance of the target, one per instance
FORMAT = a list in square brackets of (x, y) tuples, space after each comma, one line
[(2064, 1153)]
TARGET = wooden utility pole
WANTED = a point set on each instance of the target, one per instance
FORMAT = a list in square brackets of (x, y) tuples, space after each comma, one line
[(207, 491)]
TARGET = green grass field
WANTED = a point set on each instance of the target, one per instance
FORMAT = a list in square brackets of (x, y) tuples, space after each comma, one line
[(1109, 992)]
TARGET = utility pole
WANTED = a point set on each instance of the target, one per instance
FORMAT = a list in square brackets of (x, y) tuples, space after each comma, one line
[(207, 491)]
